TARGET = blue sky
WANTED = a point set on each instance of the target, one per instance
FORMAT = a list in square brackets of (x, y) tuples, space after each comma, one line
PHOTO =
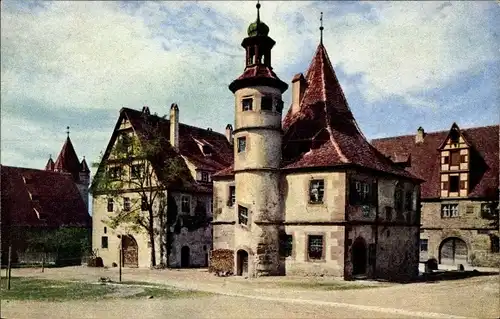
[(401, 64)]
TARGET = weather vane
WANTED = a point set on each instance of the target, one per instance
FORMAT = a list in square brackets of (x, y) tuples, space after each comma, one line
[(321, 28), (258, 11)]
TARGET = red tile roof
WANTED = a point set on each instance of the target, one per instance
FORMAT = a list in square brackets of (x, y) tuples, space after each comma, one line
[(261, 74), (206, 149), (425, 159), (50, 165), (324, 132), (54, 202), (67, 161)]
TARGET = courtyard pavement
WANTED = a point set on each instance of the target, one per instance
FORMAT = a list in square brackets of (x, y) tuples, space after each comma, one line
[(268, 297)]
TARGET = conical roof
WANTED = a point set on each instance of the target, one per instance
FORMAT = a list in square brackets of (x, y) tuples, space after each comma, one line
[(67, 161), (323, 132)]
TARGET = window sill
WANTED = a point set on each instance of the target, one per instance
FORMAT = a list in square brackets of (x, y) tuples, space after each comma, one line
[(316, 203), (316, 260)]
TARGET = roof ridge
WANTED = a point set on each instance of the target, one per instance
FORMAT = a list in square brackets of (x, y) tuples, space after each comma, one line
[(435, 132)]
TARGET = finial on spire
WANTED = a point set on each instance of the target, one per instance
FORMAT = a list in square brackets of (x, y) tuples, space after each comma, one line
[(258, 11), (67, 130), (50, 156), (321, 29)]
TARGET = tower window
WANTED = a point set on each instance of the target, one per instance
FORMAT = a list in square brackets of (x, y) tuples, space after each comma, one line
[(242, 144), (232, 196), (247, 104), (104, 242), (266, 103), (185, 204), (242, 215)]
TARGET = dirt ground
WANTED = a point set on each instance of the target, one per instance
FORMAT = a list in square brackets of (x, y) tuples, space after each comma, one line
[(477, 297)]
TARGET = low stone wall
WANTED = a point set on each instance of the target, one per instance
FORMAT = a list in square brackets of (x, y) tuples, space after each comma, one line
[(221, 260)]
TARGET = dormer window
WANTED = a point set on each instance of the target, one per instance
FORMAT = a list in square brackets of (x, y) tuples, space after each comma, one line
[(266, 103), (207, 150), (454, 137), (205, 177), (247, 104)]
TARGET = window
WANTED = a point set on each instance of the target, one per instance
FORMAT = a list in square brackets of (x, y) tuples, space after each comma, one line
[(144, 204), (242, 144), (185, 204), (495, 244), (126, 143), (463, 158), (204, 177), (409, 201), (115, 172), (104, 242), (279, 106), (242, 215), (110, 204), (126, 204), (454, 183), (360, 193), (446, 160), (137, 171), (105, 230), (287, 245), (266, 104), (469, 209), (315, 247), (449, 210), (232, 196), (316, 190), (424, 244), (247, 104), (398, 198), (455, 158)]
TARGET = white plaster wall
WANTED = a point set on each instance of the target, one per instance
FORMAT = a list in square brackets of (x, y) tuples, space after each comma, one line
[(256, 117), (295, 188), (333, 245), (222, 211), (263, 149)]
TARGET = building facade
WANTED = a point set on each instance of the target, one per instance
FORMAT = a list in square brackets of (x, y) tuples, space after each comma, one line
[(180, 195), (460, 193), (308, 195), (36, 202)]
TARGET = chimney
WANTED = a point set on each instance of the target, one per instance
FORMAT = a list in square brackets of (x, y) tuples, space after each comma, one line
[(174, 126), (229, 133), (298, 87), (419, 138)]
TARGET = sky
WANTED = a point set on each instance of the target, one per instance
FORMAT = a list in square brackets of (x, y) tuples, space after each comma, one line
[(401, 64)]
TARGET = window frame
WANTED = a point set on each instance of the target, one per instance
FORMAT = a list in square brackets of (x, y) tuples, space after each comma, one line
[(455, 158), (104, 242), (450, 211), (241, 148), (127, 205), (245, 107), (269, 100), (242, 215), (115, 173), (424, 242), (310, 237), (205, 177), (455, 178), (320, 191), (185, 200), (133, 171), (111, 204), (232, 196)]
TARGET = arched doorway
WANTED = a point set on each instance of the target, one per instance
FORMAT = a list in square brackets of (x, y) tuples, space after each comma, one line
[(453, 251), (359, 257), (185, 257), (130, 252), (242, 263)]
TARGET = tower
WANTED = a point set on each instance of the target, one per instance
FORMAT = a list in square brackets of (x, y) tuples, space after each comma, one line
[(257, 155)]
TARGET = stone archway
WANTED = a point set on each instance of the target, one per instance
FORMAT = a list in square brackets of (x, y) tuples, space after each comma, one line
[(358, 253), (242, 263), (453, 251), (185, 257), (130, 251)]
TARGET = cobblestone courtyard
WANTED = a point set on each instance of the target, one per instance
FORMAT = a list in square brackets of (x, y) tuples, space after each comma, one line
[(282, 297)]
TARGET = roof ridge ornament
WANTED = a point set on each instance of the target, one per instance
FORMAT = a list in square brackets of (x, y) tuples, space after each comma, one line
[(67, 131), (321, 29)]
